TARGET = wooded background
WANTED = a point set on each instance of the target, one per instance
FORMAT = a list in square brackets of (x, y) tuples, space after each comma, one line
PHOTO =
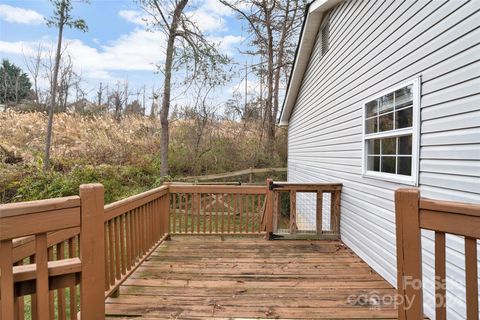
[(54, 138)]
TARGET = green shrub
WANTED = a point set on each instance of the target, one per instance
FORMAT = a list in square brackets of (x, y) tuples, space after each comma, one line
[(119, 182)]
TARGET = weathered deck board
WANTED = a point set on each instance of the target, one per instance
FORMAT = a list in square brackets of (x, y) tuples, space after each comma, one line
[(211, 278)]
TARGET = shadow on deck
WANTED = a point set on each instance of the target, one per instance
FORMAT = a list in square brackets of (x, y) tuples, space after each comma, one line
[(211, 277)]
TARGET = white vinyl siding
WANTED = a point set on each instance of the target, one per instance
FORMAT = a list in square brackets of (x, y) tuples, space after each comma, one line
[(375, 45)]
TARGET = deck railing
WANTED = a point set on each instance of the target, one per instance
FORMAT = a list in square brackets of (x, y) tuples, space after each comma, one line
[(134, 227), (39, 254), (131, 229), (443, 217), (215, 209), (74, 252)]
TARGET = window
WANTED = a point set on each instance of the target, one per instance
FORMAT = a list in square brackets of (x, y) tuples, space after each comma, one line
[(390, 134)]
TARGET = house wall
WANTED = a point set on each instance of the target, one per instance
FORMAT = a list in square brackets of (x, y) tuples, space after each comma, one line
[(375, 45)]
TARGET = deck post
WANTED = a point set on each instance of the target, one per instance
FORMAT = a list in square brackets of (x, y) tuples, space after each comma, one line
[(165, 211), (269, 209), (335, 212), (409, 254), (92, 252)]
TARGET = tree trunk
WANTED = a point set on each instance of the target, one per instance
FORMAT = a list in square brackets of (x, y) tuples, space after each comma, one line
[(53, 94), (167, 88), (280, 62), (270, 75), (16, 88)]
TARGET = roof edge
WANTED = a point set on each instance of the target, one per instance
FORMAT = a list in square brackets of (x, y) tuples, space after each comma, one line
[(313, 18)]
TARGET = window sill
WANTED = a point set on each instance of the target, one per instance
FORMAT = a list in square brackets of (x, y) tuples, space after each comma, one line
[(406, 180)]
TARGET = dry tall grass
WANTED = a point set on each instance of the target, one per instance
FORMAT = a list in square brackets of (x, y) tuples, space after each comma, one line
[(78, 139)]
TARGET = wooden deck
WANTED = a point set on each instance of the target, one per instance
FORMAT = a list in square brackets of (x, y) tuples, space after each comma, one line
[(207, 277)]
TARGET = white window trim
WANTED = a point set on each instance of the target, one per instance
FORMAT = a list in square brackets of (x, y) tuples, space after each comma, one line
[(414, 130)]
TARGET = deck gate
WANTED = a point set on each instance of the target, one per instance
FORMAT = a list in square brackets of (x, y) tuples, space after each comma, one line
[(299, 210)]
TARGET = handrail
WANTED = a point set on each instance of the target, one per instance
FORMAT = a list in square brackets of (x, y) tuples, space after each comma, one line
[(117, 208), (300, 186), (443, 217), (224, 175), (20, 208), (240, 189)]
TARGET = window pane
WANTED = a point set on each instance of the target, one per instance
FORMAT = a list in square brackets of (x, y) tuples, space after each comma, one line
[(386, 122), (386, 103), (371, 109), (374, 146), (389, 146), (388, 164), (403, 97), (404, 118), (405, 145), (371, 125), (373, 163), (404, 165)]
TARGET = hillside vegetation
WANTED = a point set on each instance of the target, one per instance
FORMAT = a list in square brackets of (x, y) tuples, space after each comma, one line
[(121, 154)]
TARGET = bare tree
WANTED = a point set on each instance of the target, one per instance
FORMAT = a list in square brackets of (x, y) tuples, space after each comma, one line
[(153, 110), (186, 44), (66, 79), (275, 25), (118, 99), (100, 91), (62, 16), (34, 66)]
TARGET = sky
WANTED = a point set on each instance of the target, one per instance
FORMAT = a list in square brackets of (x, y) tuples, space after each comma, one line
[(118, 45)]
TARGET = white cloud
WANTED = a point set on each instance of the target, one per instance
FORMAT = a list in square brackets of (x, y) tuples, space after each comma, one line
[(13, 47), (227, 44), (138, 50), (133, 16), (207, 21), (253, 88), (20, 15), (216, 7), (208, 15)]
